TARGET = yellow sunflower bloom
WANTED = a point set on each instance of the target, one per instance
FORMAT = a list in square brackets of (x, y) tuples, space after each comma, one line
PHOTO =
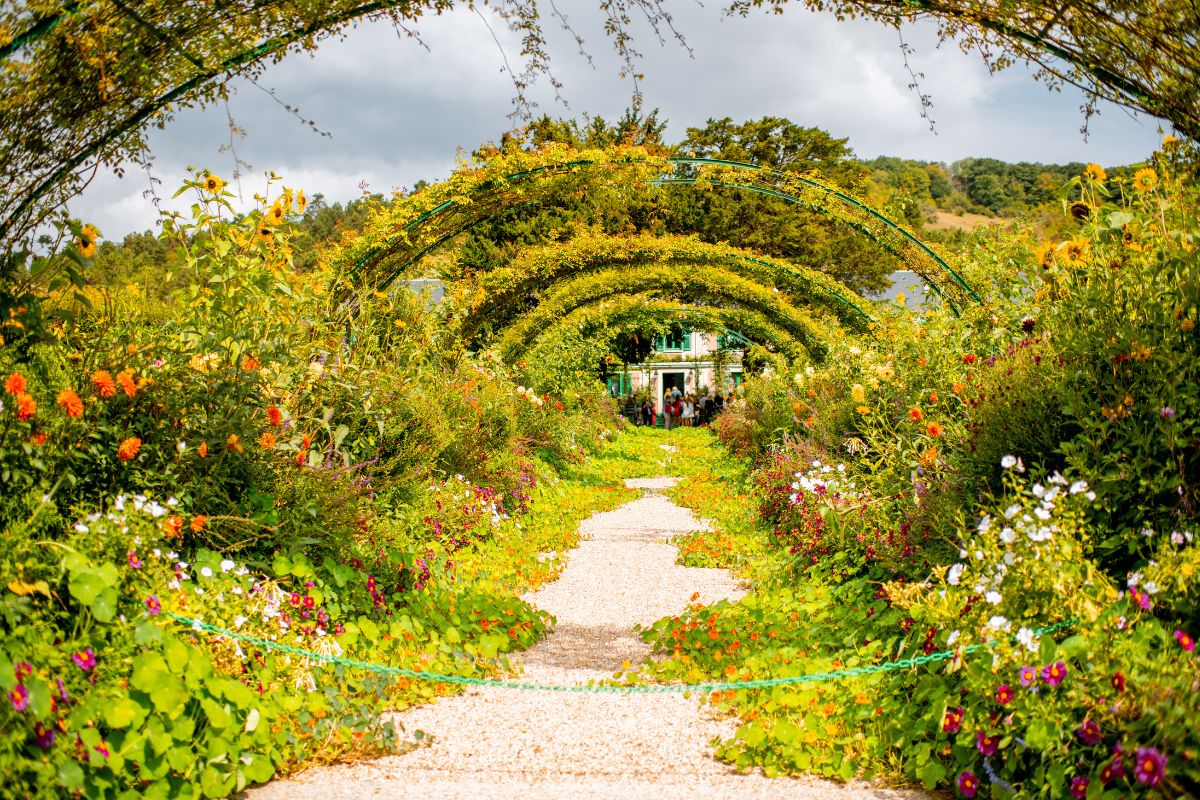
[(86, 241), (301, 201), (263, 234), (1095, 173), (275, 214), (1145, 179), (213, 184), (1077, 253), (1045, 255)]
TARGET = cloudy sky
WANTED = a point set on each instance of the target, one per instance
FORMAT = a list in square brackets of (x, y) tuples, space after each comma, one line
[(396, 111)]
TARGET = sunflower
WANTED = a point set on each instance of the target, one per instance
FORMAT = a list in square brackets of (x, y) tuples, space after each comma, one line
[(263, 233), (275, 214), (1095, 173), (85, 242), (1081, 210), (213, 184), (301, 201), (1145, 179), (1169, 142), (1045, 255), (1077, 253)]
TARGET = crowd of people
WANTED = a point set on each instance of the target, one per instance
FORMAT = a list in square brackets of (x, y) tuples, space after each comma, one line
[(678, 409)]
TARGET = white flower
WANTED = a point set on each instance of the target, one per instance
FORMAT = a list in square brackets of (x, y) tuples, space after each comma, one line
[(999, 623), (979, 555), (206, 572), (1008, 535), (1025, 636), (1150, 587), (1008, 462), (172, 555), (81, 528), (1134, 579), (985, 523), (1039, 490), (955, 574), (952, 638), (239, 621), (1012, 511), (172, 502), (1079, 486), (157, 552), (1090, 496), (227, 565), (1041, 513), (994, 598), (1176, 538), (181, 445), (1010, 558), (197, 626), (1147, 532)]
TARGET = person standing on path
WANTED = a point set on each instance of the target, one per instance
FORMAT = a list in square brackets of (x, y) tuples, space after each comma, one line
[(688, 412), (668, 410)]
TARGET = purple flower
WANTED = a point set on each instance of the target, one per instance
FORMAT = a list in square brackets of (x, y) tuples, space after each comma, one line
[(1053, 674), (19, 697), (134, 561), (1167, 412), (1185, 641), (1115, 769), (1089, 733), (153, 606), (62, 691), (22, 669), (43, 737), (1079, 786), (968, 784), (85, 659), (988, 745), (1027, 676), (1149, 766)]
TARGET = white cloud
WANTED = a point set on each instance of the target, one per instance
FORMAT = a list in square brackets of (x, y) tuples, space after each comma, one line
[(397, 112)]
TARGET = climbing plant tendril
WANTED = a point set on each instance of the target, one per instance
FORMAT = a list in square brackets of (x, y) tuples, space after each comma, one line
[(676, 688)]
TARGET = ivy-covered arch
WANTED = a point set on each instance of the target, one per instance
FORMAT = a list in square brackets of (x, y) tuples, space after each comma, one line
[(499, 294), (637, 313), (713, 286), (399, 235)]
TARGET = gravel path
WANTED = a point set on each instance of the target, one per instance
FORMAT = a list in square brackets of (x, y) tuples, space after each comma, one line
[(501, 743)]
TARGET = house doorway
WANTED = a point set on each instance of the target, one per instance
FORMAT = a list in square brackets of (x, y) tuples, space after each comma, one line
[(673, 380)]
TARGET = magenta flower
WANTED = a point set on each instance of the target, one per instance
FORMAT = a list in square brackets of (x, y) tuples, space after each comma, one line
[(1167, 412), (1079, 786), (134, 561), (309, 602), (23, 670), (1089, 733), (102, 748), (1027, 676), (1054, 674), (953, 719), (1004, 695), (968, 784), (85, 659), (62, 691), (43, 737), (1149, 766), (1118, 682), (1113, 770), (294, 599), (153, 606), (988, 745), (1185, 641), (19, 697)]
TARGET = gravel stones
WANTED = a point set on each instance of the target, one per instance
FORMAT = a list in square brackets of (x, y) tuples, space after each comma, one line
[(529, 745)]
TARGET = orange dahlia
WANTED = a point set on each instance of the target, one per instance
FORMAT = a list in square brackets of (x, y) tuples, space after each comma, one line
[(103, 381), (128, 449), (70, 402), (128, 384), (16, 384)]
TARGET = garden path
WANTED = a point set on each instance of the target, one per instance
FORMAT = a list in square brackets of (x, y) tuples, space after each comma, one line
[(504, 743)]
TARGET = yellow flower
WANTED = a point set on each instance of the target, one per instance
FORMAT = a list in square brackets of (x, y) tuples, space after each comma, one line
[(1169, 142), (858, 394), (263, 234), (213, 184), (1045, 255), (1186, 325), (86, 241), (1077, 253), (275, 214), (862, 410), (301, 201), (1145, 179), (1096, 173)]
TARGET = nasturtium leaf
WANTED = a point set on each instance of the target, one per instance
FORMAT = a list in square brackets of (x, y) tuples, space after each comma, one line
[(932, 774), (123, 712)]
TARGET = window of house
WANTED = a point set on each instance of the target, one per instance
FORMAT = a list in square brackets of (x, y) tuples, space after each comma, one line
[(677, 340)]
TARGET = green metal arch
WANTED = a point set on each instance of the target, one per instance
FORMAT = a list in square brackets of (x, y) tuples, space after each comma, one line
[(717, 284), (396, 243), (628, 307), (497, 292)]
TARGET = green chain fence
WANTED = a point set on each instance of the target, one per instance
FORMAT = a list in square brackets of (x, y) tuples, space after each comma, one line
[(763, 683)]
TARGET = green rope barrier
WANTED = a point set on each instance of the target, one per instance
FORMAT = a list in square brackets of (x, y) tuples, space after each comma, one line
[(462, 680)]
